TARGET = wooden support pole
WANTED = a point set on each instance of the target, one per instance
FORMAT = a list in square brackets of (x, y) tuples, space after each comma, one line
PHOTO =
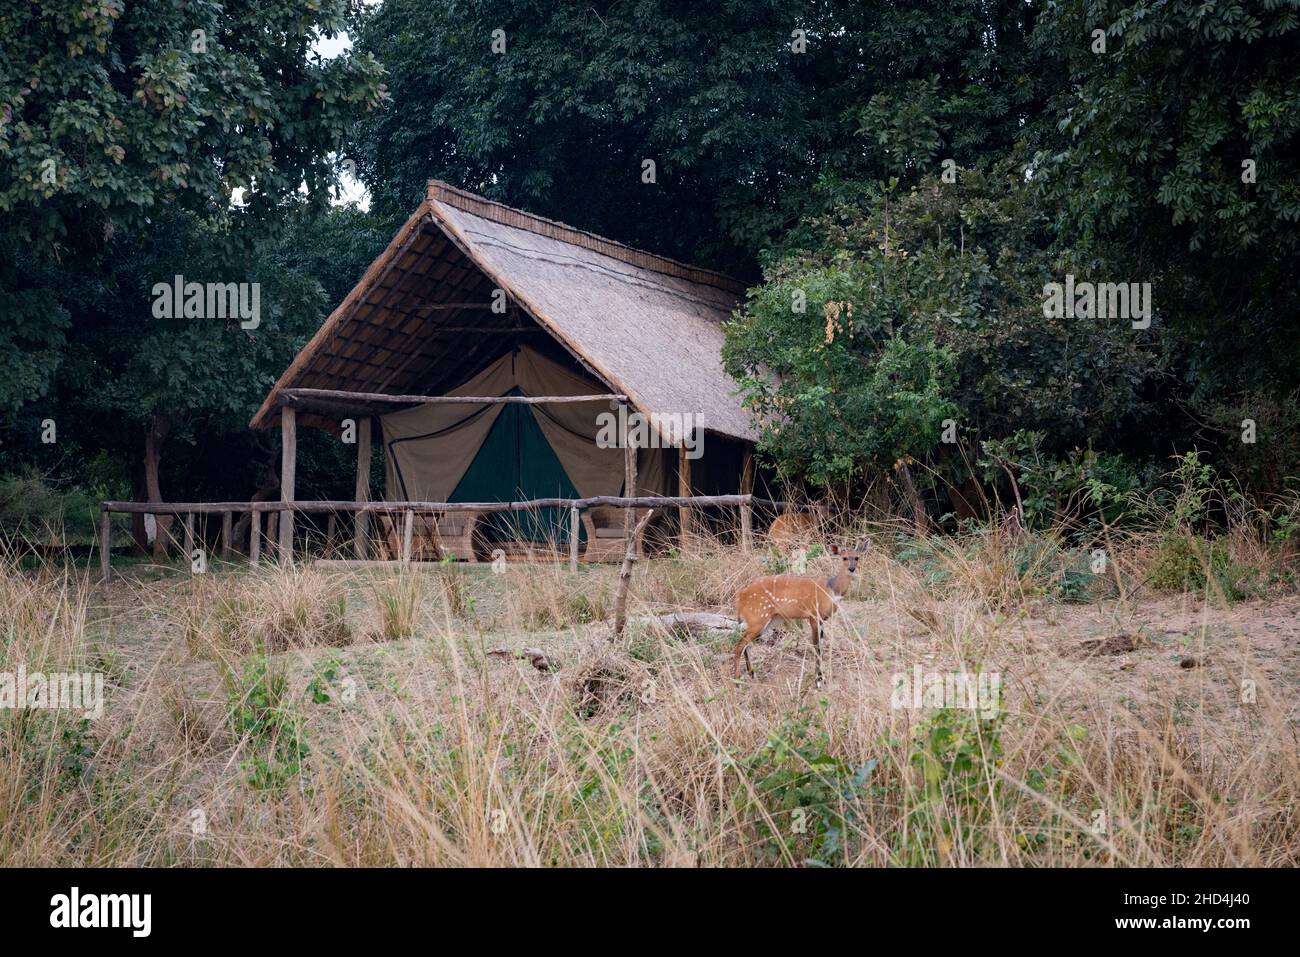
[(227, 533), (683, 490), (337, 396), (408, 532), (189, 539), (362, 485), (574, 520), (161, 539), (105, 567), (288, 468), (629, 474), (272, 533), (255, 538), (746, 509)]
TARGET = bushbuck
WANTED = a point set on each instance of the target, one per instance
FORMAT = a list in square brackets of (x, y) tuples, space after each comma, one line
[(792, 528), (791, 598)]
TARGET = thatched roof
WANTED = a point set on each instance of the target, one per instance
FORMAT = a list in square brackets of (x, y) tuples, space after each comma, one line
[(642, 325)]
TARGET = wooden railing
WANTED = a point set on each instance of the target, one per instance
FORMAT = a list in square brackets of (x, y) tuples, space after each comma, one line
[(745, 503)]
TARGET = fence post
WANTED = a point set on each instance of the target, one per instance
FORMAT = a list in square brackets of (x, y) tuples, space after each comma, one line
[(408, 529), (254, 537), (629, 475), (360, 520), (105, 569), (685, 518), (189, 539), (288, 468), (227, 530), (573, 538), (747, 510), (272, 534)]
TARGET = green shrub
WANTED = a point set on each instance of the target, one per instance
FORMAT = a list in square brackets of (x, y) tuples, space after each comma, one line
[(1185, 562), (261, 711), (805, 792), (953, 788)]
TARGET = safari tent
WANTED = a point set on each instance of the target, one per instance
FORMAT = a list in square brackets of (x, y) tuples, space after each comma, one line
[(490, 347)]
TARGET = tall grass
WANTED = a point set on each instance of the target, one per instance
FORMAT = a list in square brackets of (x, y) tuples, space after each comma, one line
[(292, 717)]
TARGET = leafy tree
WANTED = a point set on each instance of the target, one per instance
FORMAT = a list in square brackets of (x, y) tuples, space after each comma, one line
[(112, 113), (922, 308), (1179, 163), (749, 135), (131, 379)]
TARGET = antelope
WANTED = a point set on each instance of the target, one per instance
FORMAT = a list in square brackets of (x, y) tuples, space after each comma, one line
[(792, 528), (791, 598)]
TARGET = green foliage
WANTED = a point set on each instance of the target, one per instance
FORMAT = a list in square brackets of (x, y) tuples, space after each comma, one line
[(49, 746), (1189, 563), (1032, 566), (1193, 492), (609, 762), (953, 787), (125, 132), (1149, 175), (851, 390), (1083, 487), (1191, 554), (805, 794), (1266, 465), (124, 137), (77, 750), (112, 112), (32, 510), (748, 135), (916, 308), (31, 336), (322, 681), (261, 711)]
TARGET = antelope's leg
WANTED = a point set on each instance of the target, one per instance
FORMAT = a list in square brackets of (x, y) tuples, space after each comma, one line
[(748, 666), (817, 647), (751, 633)]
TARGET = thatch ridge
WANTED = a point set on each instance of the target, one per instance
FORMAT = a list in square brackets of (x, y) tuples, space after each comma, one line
[(441, 192)]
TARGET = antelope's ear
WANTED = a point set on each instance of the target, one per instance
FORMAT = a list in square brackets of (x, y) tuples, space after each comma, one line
[(835, 549)]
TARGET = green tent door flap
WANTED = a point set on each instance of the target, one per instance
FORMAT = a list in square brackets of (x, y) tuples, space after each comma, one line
[(516, 463)]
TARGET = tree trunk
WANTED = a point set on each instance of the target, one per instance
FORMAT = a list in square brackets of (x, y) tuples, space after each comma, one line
[(263, 494), (625, 573), (139, 534), (155, 434), (966, 500), (912, 495)]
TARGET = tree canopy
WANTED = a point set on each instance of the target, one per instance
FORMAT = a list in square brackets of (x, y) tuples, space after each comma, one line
[(901, 183), (749, 109)]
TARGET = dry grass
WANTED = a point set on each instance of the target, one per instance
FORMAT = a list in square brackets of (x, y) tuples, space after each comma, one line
[(297, 717), (266, 612)]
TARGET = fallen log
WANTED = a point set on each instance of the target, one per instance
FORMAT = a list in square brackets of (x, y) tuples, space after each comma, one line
[(683, 624)]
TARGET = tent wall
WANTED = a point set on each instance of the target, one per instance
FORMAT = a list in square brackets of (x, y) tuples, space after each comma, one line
[(431, 447)]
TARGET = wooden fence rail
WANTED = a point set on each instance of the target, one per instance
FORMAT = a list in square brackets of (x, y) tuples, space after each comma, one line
[(575, 506)]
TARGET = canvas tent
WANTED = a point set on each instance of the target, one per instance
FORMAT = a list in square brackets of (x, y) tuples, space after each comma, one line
[(582, 316), (432, 447)]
